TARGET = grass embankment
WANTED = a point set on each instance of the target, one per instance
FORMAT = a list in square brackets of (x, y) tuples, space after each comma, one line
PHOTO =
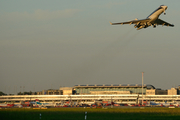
[(92, 114)]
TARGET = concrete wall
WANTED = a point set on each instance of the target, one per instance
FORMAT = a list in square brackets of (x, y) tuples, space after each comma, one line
[(67, 92), (173, 91), (151, 92)]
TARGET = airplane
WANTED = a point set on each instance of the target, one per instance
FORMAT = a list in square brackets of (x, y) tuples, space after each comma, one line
[(152, 103), (18, 105), (37, 103), (151, 20), (166, 104), (6, 105)]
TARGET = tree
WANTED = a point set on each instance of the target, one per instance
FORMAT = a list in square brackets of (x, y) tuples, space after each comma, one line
[(1, 93), (20, 93), (25, 93)]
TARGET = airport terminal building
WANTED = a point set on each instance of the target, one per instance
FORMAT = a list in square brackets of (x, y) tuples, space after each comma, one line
[(112, 89), (121, 93), (109, 89)]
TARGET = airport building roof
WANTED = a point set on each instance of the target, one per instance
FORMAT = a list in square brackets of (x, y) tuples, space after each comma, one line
[(116, 86)]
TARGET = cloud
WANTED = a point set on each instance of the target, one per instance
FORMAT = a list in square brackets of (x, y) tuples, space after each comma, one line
[(111, 4), (46, 14), (38, 15)]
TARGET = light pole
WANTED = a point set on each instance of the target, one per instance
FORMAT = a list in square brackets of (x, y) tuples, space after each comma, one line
[(20, 89), (142, 87)]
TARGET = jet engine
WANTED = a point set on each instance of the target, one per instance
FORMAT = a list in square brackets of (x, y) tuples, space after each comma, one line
[(137, 25), (146, 26)]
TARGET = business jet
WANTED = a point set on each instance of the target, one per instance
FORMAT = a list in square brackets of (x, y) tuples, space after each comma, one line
[(151, 20)]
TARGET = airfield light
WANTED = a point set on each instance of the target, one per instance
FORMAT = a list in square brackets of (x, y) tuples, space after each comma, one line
[(85, 115)]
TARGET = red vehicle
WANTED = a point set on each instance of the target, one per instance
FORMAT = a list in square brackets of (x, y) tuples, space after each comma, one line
[(171, 105), (93, 105), (116, 105), (25, 104), (108, 104), (65, 106)]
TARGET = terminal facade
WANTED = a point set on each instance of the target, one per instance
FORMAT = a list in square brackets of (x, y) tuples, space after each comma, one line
[(110, 89), (124, 89), (61, 91)]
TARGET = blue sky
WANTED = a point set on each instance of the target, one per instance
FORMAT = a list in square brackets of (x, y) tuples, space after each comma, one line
[(49, 44)]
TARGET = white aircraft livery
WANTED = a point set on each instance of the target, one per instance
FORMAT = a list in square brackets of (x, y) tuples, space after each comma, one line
[(151, 20)]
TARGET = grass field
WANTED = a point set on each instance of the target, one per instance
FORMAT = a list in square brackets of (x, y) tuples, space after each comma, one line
[(92, 114)]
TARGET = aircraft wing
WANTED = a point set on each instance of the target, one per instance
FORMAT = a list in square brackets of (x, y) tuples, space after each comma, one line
[(161, 22), (132, 22)]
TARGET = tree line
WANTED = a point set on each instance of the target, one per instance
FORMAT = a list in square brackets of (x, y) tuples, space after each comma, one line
[(20, 93)]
